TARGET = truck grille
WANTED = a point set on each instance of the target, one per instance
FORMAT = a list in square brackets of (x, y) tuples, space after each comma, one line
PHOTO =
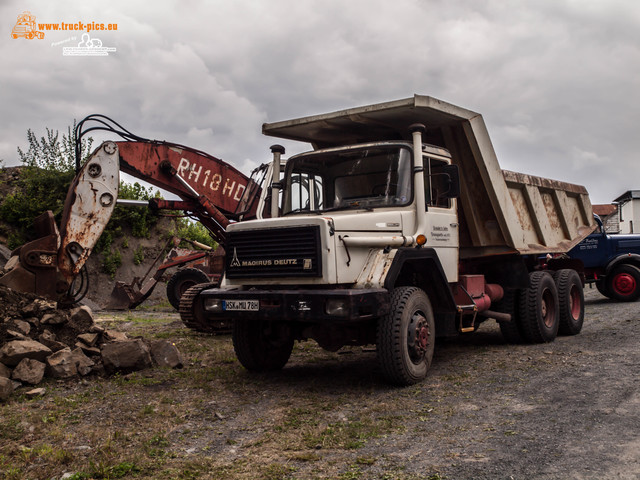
[(274, 252)]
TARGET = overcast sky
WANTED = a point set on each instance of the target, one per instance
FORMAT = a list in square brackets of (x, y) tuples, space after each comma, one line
[(556, 81)]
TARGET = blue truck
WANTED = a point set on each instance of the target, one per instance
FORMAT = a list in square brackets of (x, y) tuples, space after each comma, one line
[(612, 262)]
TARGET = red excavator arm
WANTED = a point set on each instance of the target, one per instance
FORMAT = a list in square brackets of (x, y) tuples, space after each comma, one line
[(209, 189)]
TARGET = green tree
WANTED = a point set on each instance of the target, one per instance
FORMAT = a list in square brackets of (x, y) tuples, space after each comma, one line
[(48, 168)]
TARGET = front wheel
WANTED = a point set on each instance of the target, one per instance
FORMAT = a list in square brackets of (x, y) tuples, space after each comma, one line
[(262, 346), (406, 337), (623, 283)]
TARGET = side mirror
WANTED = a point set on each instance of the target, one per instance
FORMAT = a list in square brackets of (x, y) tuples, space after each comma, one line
[(452, 174)]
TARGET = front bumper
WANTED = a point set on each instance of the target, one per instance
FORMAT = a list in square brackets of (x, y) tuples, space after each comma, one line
[(325, 306)]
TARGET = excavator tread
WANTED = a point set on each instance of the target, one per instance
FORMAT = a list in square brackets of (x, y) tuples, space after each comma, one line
[(195, 322)]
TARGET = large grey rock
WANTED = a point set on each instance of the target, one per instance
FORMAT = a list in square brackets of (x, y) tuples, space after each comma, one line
[(166, 354), (115, 336), (96, 329), (5, 371), (6, 388), (88, 350), (54, 318), (21, 326), (16, 335), (126, 356), (49, 339), (29, 371), (62, 364), (83, 363), (12, 353), (89, 339), (82, 315)]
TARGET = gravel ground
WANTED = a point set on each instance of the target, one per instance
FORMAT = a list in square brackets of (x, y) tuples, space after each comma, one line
[(487, 410)]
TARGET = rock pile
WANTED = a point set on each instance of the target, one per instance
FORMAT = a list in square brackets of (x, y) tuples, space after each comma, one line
[(38, 340)]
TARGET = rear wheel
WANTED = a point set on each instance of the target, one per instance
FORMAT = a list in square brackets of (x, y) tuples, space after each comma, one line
[(511, 331), (262, 346), (539, 309), (406, 337), (570, 301), (623, 283), (181, 281)]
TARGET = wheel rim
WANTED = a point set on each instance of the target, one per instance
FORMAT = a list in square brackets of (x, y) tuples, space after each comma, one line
[(548, 308), (186, 285), (418, 337), (624, 284), (576, 304)]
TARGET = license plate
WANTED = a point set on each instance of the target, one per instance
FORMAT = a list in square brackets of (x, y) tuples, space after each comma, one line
[(241, 305)]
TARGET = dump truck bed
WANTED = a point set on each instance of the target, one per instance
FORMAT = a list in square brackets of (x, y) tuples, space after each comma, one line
[(499, 211)]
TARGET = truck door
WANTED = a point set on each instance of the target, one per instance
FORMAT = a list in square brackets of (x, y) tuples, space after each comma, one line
[(442, 218)]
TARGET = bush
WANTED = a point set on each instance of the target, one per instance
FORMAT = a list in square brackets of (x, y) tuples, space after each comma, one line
[(111, 262), (186, 228), (49, 167), (138, 255)]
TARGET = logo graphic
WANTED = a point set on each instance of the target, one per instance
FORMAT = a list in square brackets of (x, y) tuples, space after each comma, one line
[(26, 27), (234, 261), (90, 47)]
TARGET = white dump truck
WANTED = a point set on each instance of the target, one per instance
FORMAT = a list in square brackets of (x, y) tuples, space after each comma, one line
[(397, 228)]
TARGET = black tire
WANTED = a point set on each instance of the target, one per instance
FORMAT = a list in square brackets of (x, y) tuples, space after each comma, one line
[(406, 337), (601, 285), (193, 315), (570, 301), (181, 281), (511, 331), (539, 309), (623, 283), (262, 346)]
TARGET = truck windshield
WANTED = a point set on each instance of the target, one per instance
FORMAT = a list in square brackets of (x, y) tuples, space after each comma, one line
[(354, 178)]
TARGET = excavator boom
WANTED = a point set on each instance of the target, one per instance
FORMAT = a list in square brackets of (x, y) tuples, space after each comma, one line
[(209, 189)]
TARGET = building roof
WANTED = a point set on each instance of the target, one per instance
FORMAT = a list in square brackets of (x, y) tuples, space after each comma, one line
[(605, 210), (628, 196)]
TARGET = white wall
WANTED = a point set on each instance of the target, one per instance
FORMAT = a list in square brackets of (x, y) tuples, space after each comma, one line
[(630, 217)]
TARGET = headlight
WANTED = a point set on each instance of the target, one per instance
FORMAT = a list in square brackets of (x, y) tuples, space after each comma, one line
[(213, 305), (336, 307)]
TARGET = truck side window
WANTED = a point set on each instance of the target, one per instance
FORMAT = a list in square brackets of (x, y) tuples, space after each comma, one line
[(436, 183)]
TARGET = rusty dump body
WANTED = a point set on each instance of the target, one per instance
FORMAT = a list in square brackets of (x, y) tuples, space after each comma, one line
[(499, 211)]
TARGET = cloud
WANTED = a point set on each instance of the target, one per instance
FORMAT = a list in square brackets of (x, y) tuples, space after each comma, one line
[(555, 81)]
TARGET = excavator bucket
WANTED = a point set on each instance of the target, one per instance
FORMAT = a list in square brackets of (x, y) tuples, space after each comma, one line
[(126, 296), (32, 267), (122, 297)]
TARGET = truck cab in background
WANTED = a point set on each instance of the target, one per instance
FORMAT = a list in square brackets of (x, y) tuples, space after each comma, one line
[(611, 262)]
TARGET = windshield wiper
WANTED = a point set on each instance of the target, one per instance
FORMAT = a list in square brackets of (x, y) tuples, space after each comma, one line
[(302, 210)]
